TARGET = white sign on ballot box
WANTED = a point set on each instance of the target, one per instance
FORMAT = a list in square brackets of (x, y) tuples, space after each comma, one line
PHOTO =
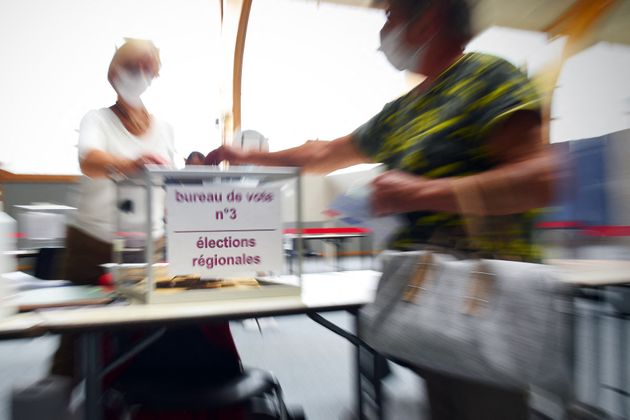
[(223, 230)]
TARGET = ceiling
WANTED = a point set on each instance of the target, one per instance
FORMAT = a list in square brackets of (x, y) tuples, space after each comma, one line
[(535, 15)]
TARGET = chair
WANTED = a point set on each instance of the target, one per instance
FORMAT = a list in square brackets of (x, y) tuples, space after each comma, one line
[(48, 263), (255, 389)]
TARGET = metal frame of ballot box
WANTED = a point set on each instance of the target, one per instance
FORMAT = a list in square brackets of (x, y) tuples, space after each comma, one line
[(159, 176)]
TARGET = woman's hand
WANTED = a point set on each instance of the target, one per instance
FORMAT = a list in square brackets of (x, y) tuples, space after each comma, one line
[(399, 192), (392, 192), (129, 166), (151, 159), (225, 153), (99, 164)]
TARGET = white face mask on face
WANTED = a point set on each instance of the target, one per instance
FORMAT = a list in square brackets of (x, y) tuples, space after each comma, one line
[(398, 53), (130, 86)]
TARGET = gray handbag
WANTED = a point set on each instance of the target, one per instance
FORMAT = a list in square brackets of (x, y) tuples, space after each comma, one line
[(499, 322)]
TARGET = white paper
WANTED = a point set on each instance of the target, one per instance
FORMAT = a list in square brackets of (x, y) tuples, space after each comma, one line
[(19, 281), (355, 208), (223, 230)]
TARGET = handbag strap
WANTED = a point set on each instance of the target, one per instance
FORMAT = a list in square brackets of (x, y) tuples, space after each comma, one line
[(479, 296), (415, 284), (470, 202), (474, 302)]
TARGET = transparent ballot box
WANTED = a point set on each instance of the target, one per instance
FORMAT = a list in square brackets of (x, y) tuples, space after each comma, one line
[(204, 233)]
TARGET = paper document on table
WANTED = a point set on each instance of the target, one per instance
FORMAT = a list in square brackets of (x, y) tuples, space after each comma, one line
[(351, 206), (355, 208), (23, 281)]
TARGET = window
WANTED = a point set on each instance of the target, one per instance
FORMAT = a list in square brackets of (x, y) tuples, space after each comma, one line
[(313, 71), (592, 97), (55, 56)]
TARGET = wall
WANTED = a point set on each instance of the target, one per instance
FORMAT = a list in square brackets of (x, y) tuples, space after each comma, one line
[(619, 177)]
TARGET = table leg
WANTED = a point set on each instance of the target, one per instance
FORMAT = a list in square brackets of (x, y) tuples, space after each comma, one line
[(623, 374), (91, 366), (292, 255), (338, 249), (597, 340), (371, 369), (358, 367), (365, 248), (361, 380)]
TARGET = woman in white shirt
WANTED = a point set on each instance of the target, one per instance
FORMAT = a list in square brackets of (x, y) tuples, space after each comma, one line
[(123, 138)]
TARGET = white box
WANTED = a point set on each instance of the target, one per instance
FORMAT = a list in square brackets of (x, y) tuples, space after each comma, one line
[(199, 227)]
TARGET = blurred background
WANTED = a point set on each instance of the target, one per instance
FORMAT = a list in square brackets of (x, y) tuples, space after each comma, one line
[(310, 70)]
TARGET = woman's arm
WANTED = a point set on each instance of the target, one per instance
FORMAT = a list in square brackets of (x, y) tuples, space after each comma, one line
[(522, 181), (94, 161), (314, 156), (98, 164)]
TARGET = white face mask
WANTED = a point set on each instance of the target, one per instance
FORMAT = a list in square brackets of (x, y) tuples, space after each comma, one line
[(398, 53), (130, 86)]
